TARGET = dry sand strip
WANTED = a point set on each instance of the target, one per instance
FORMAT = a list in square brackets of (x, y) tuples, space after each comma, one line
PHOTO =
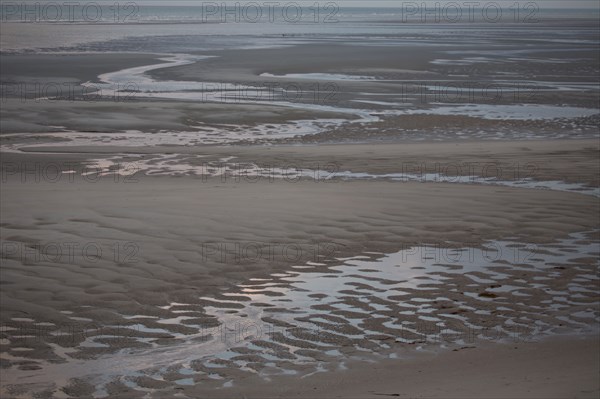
[(555, 368)]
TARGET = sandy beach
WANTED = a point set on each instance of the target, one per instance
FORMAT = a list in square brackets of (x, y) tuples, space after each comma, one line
[(361, 210)]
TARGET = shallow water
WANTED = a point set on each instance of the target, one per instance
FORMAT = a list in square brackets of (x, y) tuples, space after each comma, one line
[(312, 317), (226, 170), (230, 93)]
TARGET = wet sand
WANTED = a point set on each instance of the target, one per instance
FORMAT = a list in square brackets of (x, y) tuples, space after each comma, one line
[(24, 68), (411, 93), (170, 229), (382, 244), (556, 368), (157, 248)]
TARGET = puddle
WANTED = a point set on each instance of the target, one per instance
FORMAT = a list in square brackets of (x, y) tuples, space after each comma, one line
[(184, 381), (321, 76)]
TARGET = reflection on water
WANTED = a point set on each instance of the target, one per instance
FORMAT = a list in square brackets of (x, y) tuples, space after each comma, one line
[(314, 316)]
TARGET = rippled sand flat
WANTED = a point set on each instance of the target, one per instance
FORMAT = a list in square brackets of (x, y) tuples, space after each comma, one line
[(234, 291), (374, 208)]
